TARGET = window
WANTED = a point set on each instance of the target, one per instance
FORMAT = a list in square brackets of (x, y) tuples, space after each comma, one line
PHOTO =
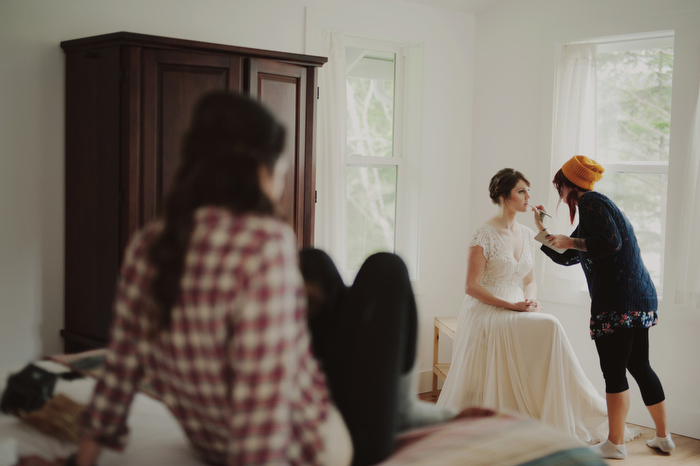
[(634, 81), (379, 217)]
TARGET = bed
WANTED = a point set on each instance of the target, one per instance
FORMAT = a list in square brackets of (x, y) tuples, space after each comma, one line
[(156, 438)]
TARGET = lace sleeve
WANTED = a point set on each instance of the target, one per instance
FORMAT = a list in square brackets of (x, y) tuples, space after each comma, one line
[(481, 237)]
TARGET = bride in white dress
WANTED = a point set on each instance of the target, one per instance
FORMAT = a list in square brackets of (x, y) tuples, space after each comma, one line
[(506, 354)]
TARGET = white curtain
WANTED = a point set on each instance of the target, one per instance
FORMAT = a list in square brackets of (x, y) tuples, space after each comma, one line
[(330, 217), (573, 133), (685, 252)]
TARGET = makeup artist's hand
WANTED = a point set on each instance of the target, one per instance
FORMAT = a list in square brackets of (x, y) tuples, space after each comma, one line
[(538, 221), (560, 241)]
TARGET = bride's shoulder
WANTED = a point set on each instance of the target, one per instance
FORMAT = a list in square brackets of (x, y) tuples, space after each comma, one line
[(481, 235), (483, 229), (527, 231)]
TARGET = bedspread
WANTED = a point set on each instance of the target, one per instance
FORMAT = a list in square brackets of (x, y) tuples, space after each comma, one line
[(156, 438)]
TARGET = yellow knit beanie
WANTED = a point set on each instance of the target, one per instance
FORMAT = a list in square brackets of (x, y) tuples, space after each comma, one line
[(582, 171)]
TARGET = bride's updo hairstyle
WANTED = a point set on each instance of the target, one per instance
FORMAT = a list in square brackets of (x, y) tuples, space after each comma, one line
[(503, 183)]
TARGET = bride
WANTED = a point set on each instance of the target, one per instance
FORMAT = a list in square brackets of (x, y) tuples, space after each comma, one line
[(506, 354)]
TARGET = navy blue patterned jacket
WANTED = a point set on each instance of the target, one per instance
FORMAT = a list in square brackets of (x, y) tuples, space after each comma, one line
[(622, 292)]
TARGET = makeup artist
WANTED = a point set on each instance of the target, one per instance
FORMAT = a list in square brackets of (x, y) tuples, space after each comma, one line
[(623, 298)]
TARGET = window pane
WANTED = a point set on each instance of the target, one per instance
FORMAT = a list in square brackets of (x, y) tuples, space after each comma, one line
[(643, 199), (371, 212), (634, 125), (370, 102), (634, 105)]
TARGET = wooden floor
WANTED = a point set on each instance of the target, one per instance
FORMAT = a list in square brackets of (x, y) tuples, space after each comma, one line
[(687, 450)]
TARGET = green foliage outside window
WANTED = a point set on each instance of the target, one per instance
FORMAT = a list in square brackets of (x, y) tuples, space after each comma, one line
[(634, 105), (633, 117), (370, 117)]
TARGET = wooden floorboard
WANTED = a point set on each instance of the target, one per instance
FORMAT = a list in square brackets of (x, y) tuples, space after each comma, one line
[(687, 450)]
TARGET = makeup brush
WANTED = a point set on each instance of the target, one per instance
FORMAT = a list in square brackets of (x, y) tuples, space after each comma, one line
[(541, 212)]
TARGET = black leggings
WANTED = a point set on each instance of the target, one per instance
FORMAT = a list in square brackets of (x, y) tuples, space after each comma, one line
[(364, 337), (629, 349)]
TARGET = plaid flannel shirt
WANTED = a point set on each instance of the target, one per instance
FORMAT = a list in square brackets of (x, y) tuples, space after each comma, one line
[(235, 368)]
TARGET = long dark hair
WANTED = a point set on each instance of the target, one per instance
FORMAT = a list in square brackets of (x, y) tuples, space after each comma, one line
[(560, 181), (230, 137), (503, 182)]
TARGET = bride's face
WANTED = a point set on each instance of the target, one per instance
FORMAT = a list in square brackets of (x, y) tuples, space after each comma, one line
[(519, 197)]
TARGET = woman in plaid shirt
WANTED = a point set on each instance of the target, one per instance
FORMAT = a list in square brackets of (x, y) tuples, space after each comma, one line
[(210, 309)]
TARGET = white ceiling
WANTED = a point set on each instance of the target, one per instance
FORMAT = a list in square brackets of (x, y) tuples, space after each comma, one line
[(468, 6)]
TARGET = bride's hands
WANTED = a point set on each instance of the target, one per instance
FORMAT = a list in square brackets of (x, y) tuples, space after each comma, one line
[(529, 305), (534, 305)]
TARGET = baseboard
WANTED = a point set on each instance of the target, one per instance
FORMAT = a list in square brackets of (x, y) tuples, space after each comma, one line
[(680, 420)]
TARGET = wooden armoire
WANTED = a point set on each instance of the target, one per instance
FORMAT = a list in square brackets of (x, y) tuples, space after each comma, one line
[(129, 99)]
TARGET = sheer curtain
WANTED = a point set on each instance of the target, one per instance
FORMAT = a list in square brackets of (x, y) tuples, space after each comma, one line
[(330, 217), (574, 133), (685, 251)]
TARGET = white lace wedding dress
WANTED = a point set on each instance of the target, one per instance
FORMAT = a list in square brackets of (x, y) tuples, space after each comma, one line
[(518, 361)]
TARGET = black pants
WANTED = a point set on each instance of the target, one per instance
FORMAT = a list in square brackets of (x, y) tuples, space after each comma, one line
[(628, 349), (364, 337)]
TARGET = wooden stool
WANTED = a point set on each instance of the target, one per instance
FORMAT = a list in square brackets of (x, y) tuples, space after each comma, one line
[(448, 326)]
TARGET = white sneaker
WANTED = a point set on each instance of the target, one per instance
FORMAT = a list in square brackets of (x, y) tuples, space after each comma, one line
[(664, 444), (609, 450)]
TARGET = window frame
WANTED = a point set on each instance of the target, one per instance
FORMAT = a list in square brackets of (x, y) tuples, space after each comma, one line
[(405, 145)]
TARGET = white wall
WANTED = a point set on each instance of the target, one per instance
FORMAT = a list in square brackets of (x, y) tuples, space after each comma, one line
[(512, 126), (31, 137)]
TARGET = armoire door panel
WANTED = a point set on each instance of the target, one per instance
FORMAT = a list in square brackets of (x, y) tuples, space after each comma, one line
[(130, 144), (91, 189), (283, 91), (282, 87), (309, 188), (173, 84)]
